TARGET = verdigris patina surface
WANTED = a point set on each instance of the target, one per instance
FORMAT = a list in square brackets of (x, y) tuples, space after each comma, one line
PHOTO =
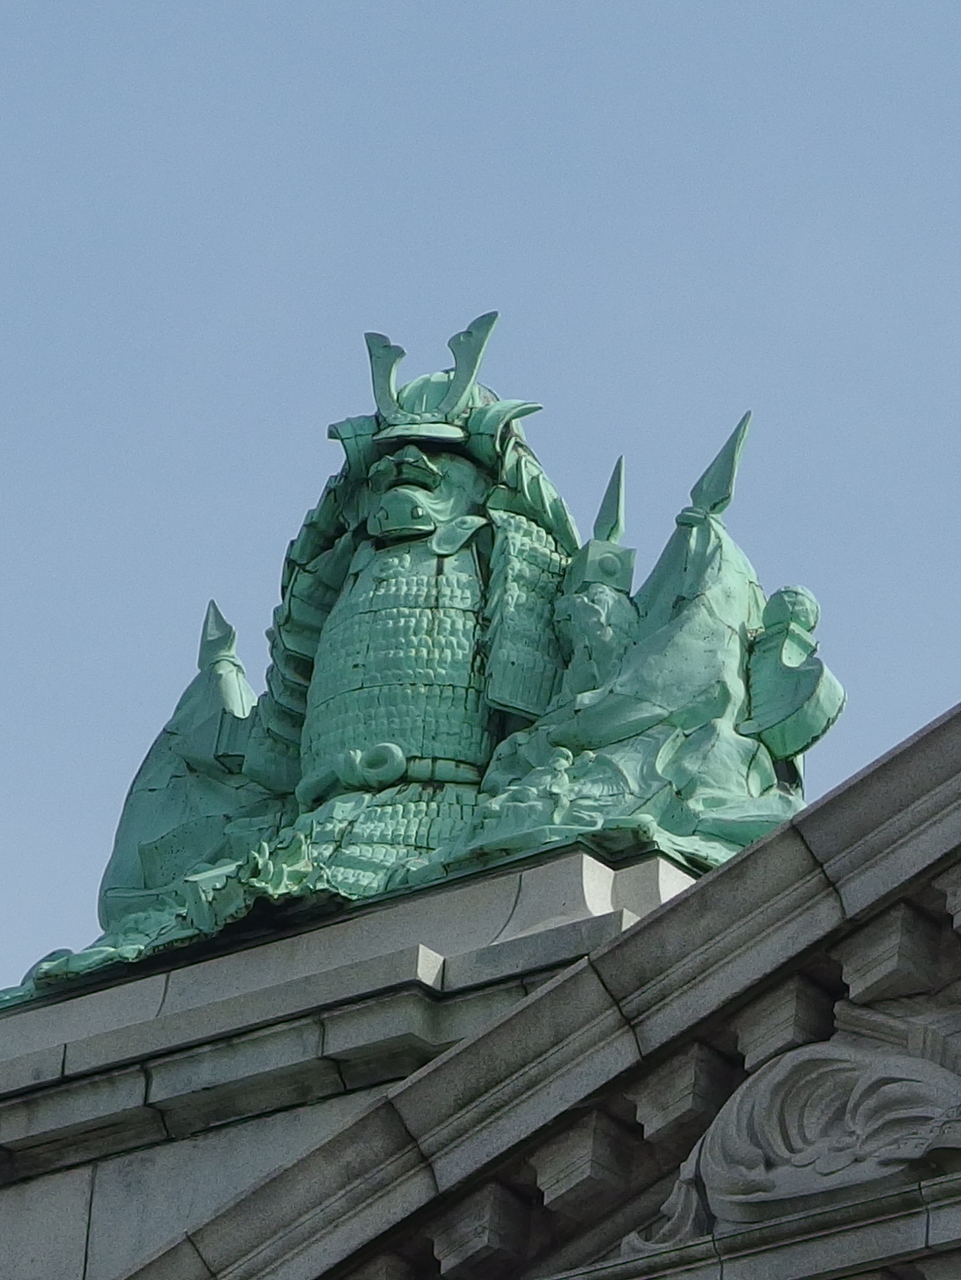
[(455, 680)]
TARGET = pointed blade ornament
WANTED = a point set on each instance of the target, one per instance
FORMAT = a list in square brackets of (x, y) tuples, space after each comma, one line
[(715, 489), (218, 639), (609, 524)]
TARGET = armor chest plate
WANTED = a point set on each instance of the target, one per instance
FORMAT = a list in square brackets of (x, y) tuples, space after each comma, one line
[(399, 660)]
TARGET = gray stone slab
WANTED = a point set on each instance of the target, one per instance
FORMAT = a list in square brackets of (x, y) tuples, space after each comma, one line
[(731, 930), (315, 957), (544, 949), (180, 1262), (647, 885), (939, 1266), (194, 1016), (26, 1030), (855, 1247), (449, 918), (697, 1261), (453, 918), (943, 1199), (42, 1066), (278, 1066), (78, 1121), (43, 1227), (237, 1058), (480, 1098), (573, 886), (317, 1212), (178, 1186), (893, 820), (126, 1021), (390, 1037), (249, 988), (71, 1108)]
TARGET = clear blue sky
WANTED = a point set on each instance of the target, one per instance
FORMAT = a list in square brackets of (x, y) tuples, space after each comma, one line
[(681, 210)]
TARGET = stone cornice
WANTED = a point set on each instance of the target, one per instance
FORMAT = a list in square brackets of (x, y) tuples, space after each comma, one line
[(677, 976)]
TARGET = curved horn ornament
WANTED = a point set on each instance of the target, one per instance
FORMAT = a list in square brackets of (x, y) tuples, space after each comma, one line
[(467, 348), (385, 356)]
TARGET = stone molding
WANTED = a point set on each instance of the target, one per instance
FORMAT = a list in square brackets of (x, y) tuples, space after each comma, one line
[(298, 1019), (480, 930), (862, 881), (908, 1234)]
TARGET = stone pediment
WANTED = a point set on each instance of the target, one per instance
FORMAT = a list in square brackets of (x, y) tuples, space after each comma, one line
[(794, 1017)]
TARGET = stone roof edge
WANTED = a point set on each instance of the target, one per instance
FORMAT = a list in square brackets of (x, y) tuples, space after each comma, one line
[(803, 887), (890, 1228)]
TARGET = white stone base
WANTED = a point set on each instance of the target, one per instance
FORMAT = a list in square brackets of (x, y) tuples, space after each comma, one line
[(118, 1097)]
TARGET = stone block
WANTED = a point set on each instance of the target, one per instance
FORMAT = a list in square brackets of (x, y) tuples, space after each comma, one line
[(898, 817), (309, 957), (179, 1262), (698, 1261), (523, 1070), (366, 1178), (178, 1186), (795, 1012), (676, 1102), (585, 1169), (43, 1227), (264, 1070), (482, 1235), (733, 929), (827, 1242), (949, 883), (572, 887), (387, 1267), (195, 1015), (896, 954), (391, 1036), (647, 885), (544, 949), (78, 1120), (41, 1066), (943, 1199), (940, 1266), (29, 1029), (375, 1028)]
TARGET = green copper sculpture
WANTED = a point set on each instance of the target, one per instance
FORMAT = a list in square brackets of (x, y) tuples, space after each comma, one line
[(454, 681)]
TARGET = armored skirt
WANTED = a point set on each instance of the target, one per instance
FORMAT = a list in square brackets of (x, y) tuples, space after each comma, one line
[(396, 715)]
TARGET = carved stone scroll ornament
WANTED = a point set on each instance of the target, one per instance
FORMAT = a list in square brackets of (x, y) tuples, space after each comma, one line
[(813, 1125)]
